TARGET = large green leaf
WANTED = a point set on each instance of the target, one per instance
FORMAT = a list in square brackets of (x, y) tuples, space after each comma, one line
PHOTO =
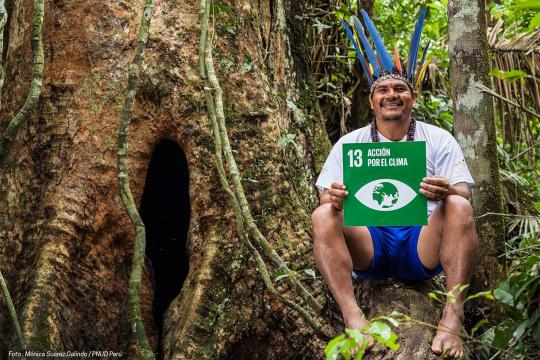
[(504, 332), (508, 75), (504, 296), (332, 349), (535, 21), (526, 4)]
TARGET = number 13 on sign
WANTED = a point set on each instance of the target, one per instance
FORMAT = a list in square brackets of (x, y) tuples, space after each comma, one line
[(355, 158)]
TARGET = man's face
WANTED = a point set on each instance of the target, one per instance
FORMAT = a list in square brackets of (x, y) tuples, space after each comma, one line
[(392, 100)]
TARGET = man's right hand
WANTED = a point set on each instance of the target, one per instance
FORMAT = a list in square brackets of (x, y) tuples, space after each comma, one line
[(337, 193)]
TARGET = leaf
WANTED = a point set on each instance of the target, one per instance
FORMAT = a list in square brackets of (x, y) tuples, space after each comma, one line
[(508, 75), (477, 326), (520, 330), (485, 294), (487, 340), (433, 296), (320, 26), (503, 333), (310, 273), (381, 329), (504, 296), (525, 286), (332, 349), (535, 21), (437, 6), (527, 4), (390, 319), (282, 276), (361, 350), (355, 334)]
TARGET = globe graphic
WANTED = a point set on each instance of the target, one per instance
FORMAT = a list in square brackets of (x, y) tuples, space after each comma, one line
[(385, 194)]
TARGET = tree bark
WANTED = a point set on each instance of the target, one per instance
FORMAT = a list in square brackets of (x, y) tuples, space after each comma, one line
[(475, 130), (67, 241)]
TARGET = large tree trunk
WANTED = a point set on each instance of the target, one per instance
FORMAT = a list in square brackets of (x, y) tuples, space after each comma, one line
[(475, 130), (66, 239)]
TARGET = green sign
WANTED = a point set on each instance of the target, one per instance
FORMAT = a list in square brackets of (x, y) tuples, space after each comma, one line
[(383, 181)]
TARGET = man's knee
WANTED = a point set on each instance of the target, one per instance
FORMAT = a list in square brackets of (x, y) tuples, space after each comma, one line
[(325, 215), (458, 206)]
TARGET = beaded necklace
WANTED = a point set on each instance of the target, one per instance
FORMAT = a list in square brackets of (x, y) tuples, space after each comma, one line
[(375, 133)]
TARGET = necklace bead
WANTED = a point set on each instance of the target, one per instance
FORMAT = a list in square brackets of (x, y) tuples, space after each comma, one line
[(375, 133)]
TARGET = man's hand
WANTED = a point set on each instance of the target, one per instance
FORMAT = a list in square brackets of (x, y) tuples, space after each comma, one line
[(337, 193), (435, 188)]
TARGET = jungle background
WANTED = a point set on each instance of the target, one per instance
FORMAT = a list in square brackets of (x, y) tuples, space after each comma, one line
[(233, 109)]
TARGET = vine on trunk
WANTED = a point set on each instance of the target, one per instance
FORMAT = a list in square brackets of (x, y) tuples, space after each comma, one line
[(258, 244), (137, 324), (3, 21), (9, 134)]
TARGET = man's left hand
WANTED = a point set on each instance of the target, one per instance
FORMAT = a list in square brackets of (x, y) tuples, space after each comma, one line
[(435, 188)]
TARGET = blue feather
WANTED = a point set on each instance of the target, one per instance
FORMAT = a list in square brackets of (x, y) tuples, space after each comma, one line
[(386, 60), (367, 47), (424, 55), (415, 43), (358, 51)]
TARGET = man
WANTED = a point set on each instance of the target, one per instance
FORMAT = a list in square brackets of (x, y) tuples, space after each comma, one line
[(447, 243)]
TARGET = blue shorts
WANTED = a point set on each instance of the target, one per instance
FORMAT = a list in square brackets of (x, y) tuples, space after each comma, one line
[(396, 255)]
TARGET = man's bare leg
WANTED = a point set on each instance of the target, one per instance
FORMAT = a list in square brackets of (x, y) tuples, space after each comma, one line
[(335, 257), (451, 239)]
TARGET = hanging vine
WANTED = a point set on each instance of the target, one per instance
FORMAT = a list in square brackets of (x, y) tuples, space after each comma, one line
[(8, 135), (3, 21), (245, 224), (137, 324)]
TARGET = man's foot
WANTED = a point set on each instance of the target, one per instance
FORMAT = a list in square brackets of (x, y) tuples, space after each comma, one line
[(448, 341), (357, 320)]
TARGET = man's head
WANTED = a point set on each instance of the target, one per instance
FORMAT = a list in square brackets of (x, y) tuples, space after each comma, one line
[(392, 99)]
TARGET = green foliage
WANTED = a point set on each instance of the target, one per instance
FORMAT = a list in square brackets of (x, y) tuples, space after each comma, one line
[(435, 108), (358, 339), (509, 76), (396, 19), (529, 5), (520, 333), (519, 15)]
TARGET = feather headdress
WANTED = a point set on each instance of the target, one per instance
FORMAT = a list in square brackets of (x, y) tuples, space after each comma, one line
[(377, 64)]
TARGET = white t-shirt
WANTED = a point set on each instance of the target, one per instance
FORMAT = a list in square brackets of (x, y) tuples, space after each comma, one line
[(443, 157)]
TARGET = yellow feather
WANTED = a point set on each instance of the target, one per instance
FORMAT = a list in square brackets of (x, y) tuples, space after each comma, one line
[(422, 72)]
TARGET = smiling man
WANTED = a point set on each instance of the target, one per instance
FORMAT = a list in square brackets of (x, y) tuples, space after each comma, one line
[(448, 243)]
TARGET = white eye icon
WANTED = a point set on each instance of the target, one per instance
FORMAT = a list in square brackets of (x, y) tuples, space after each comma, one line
[(385, 194)]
